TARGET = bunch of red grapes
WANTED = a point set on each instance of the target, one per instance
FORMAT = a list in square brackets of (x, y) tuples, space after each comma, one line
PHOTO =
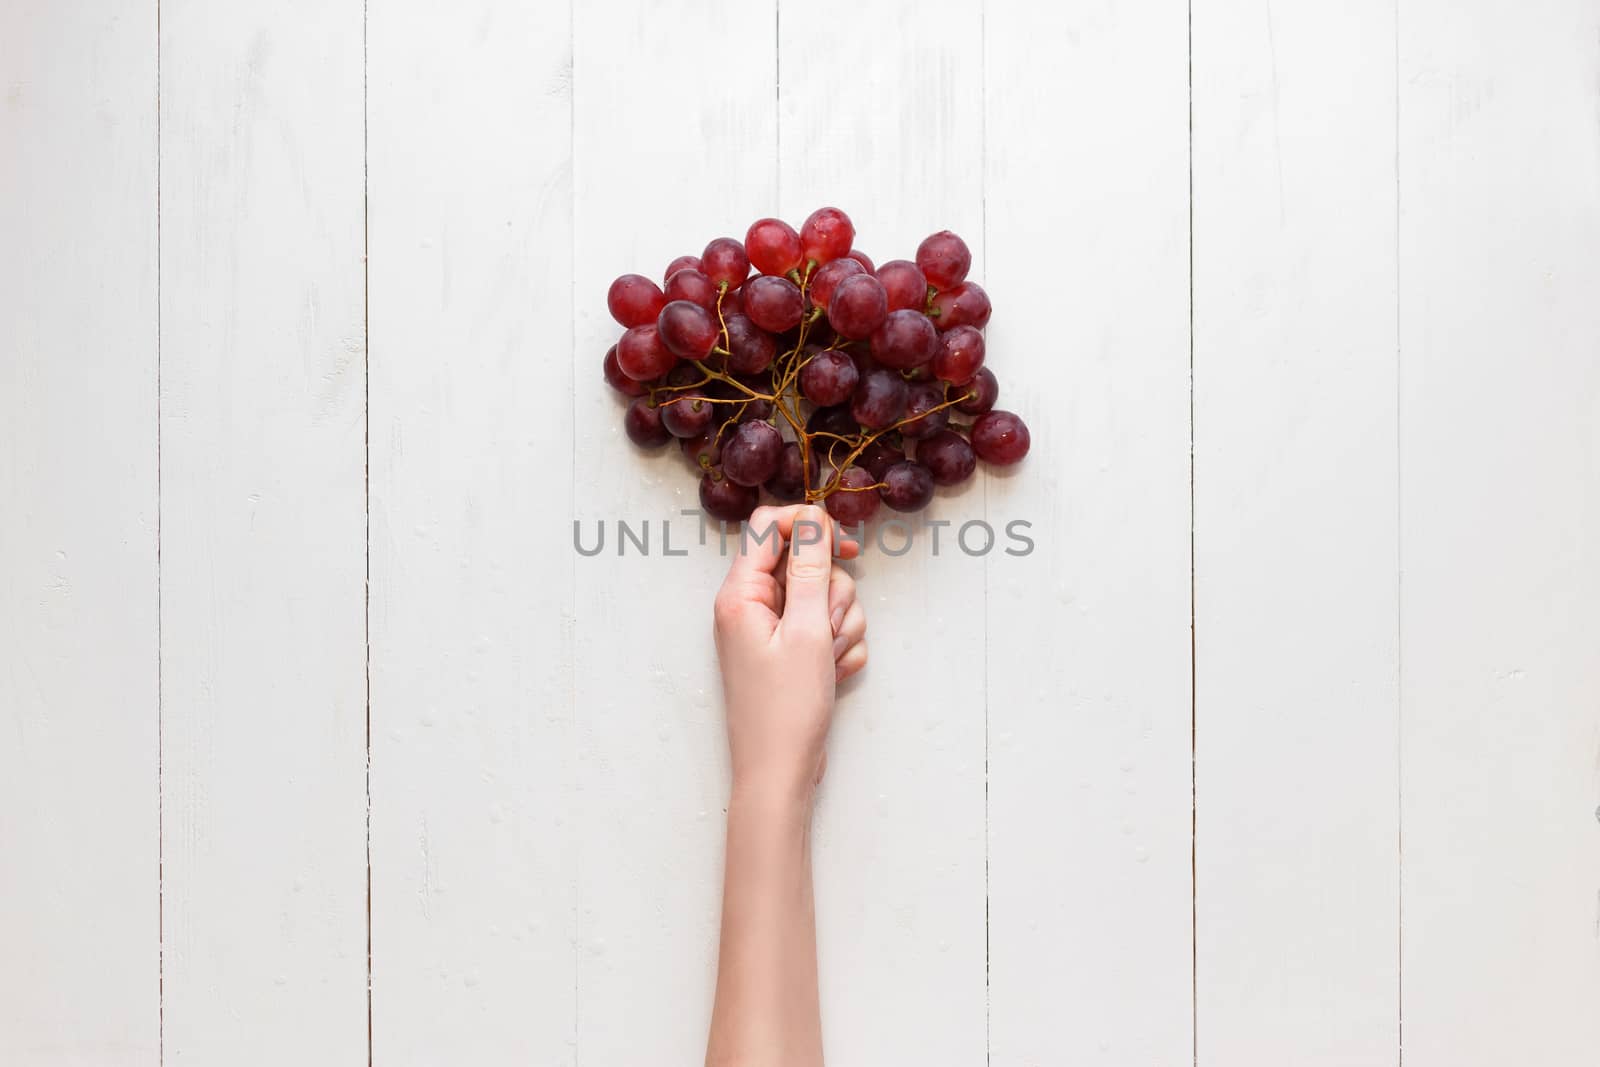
[(877, 374)]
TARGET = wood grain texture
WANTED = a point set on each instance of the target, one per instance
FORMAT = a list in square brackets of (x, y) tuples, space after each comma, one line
[(1295, 535), (78, 689), (881, 114), (674, 144), (1500, 528), (1088, 637), (471, 413), (263, 539)]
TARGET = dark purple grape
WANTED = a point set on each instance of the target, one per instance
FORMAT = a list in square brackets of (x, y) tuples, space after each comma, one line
[(725, 263), (642, 356), (683, 374), (980, 393), (704, 451), (921, 401), (726, 500), (774, 304), (825, 282), (826, 235), (750, 454), (692, 285), (858, 307), (835, 420), (854, 501), (1001, 438), (789, 483), (687, 414), (829, 378), (944, 259), (903, 282), (959, 355), (643, 424), (861, 258), (681, 263), (750, 348), (880, 399), (965, 305), (948, 456), (907, 486), (923, 373), (634, 300), (906, 339), (774, 246), (615, 378), (879, 456), (688, 330)]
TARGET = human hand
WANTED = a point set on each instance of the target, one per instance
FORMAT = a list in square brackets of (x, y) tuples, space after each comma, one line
[(785, 638)]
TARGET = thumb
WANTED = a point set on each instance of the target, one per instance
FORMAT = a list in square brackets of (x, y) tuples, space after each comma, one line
[(810, 567)]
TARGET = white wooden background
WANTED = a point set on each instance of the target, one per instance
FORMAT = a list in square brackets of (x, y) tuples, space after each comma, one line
[(1283, 748)]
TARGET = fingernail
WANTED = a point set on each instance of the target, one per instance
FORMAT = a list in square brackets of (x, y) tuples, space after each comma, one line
[(838, 618), (840, 643)]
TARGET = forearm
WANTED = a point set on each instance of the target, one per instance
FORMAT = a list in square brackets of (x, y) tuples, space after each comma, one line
[(766, 1012)]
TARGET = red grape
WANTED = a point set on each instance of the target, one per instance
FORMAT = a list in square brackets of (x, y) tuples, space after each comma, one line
[(858, 307), (826, 235), (750, 348), (726, 500), (687, 414), (903, 281), (861, 258), (732, 302), (879, 456), (1001, 438), (880, 399), (906, 339), (944, 259), (642, 356), (634, 300), (704, 451), (681, 263), (907, 486), (965, 305), (948, 457), (829, 378), (980, 393), (826, 281), (853, 502), (789, 481), (774, 247), (920, 403), (960, 354), (725, 262), (688, 330), (643, 424), (751, 453), (835, 420), (616, 379), (692, 285), (774, 304)]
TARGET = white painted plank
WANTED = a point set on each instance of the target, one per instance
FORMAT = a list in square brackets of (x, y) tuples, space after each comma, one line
[(263, 543), (1500, 528), (674, 144), (882, 115), (1295, 534), (471, 412), (78, 800), (1088, 637)]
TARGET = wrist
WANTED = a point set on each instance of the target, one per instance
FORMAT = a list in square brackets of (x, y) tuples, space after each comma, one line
[(769, 797)]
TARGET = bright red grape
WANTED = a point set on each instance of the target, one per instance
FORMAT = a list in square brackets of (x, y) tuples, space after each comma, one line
[(920, 404), (826, 235), (829, 377), (751, 453), (907, 486), (616, 379), (879, 399), (948, 457), (773, 246), (965, 305), (826, 281), (906, 339), (960, 354), (642, 356), (688, 330), (853, 502), (1001, 438), (681, 263), (980, 393), (858, 307), (726, 500), (944, 259), (634, 300), (750, 348), (692, 285), (643, 424), (903, 281), (725, 263), (774, 304), (861, 258)]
